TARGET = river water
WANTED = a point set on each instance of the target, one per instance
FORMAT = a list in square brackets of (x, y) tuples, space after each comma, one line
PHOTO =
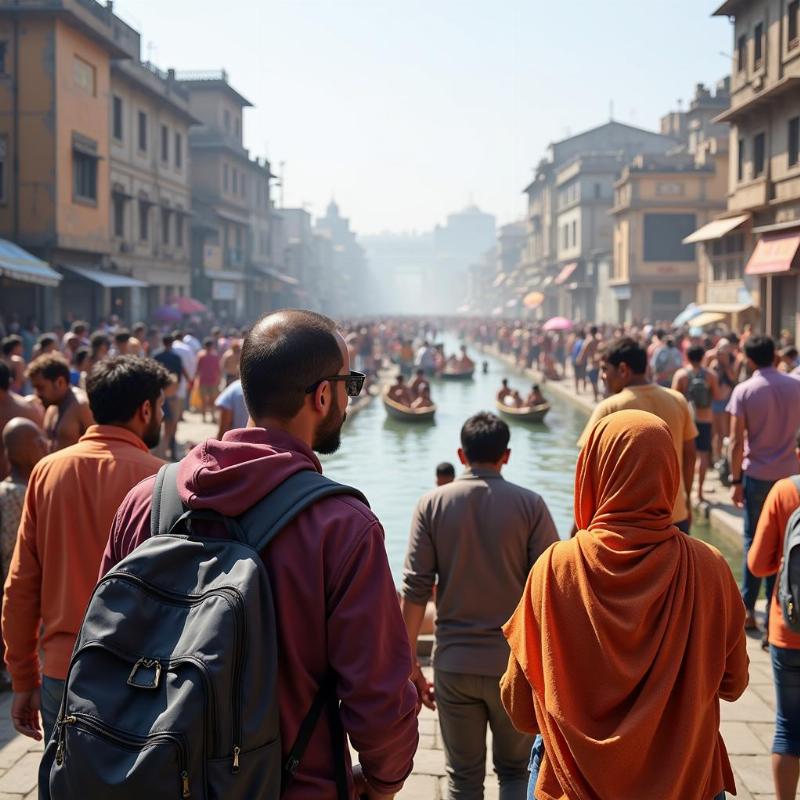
[(394, 463)]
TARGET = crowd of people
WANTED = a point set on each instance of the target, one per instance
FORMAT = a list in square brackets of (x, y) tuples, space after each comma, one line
[(582, 655)]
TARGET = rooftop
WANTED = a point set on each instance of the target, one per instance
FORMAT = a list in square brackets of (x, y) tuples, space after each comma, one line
[(211, 80)]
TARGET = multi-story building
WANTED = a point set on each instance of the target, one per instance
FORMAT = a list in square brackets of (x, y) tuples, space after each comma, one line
[(55, 183), (221, 184), (542, 263), (150, 202), (761, 250)]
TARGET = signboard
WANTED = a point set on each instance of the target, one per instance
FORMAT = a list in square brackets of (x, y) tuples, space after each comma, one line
[(212, 256), (223, 290)]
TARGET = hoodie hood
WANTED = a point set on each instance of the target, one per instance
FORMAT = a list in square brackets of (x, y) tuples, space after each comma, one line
[(231, 475)]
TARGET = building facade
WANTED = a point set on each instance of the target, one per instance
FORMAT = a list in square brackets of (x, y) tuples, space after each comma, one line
[(764, 170)]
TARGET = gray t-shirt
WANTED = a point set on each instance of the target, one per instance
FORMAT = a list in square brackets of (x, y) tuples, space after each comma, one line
[(480, 536)]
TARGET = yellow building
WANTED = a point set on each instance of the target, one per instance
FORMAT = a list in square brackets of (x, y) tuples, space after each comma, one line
[(54, 137)]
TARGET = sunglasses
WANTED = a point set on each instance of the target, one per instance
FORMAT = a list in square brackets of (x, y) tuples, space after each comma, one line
[(353, 383)]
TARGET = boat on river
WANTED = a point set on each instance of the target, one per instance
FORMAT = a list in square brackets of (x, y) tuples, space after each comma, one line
[(524, 414), (403, 413), (457, 374)]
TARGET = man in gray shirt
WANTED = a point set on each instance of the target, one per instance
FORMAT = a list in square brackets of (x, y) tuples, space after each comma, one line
[(479, 536)]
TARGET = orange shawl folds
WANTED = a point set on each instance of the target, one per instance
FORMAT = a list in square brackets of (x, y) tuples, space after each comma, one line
[(628, 635)]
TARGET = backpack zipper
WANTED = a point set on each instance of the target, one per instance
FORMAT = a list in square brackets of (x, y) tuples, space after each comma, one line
[(128, 740)]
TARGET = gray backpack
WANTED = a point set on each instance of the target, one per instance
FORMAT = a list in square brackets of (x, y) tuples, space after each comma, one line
[(172, 687), (789, 576)]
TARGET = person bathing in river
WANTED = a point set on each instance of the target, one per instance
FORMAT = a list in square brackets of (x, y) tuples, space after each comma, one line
[(423, 399), (504, 391), (535, 398), (513, 399), (465, 362), (419, 383)]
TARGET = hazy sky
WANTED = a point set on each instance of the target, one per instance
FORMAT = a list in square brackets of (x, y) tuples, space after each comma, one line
[(409, 109)]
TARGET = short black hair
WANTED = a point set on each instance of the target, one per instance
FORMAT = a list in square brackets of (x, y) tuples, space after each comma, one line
[(118, 386), (167, 340), (81, 354), (10, 343), (627, 351), (484, 438), (445, 470), (98, 340), (79, 326), (208, 342), (695, 353), (760, 350), (123, 336), (789, 352), (284, 354), (46, 339), (51, 367), (5, 377)]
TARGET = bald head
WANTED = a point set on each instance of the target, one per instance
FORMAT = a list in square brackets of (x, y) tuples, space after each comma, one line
[(283, 355), (24, 443)]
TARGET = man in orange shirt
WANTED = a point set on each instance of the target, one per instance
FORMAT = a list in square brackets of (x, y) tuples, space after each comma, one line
[(70, 503), (765, 559)]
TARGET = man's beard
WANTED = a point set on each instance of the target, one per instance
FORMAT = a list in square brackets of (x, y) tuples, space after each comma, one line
[(328, 436), (152, 436)]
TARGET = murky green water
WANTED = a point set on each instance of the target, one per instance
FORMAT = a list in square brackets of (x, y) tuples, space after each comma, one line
[(394, 463)]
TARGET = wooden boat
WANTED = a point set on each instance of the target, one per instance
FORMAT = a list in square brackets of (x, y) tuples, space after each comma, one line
[(405, 414), (457, 374), (525, 414)]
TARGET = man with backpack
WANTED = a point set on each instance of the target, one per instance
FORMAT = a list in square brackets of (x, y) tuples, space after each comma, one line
[(666, 361), (318, 624), (700, 387), (70, 502)]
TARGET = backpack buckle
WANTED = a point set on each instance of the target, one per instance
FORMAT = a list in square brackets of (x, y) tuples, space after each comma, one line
[(145, 664)]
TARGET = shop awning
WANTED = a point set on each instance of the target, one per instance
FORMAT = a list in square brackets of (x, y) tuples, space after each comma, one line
[(279, 276), (716, 229), (108, 280), (706, 318), (565, 273), (20, 265), (774, 253)]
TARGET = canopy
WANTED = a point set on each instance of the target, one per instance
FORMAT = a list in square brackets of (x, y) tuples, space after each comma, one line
[(188, 305), (565, 273), (706, 318), (688, 313), (20, 265), (108, 280), (557, 324), (533, 299), (774, 254), (716, 229)]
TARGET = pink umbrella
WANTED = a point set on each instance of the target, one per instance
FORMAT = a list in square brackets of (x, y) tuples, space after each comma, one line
[(188, 305), (557, 324)]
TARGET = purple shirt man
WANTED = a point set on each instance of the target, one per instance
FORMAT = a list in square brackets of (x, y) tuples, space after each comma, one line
[(769, 402)]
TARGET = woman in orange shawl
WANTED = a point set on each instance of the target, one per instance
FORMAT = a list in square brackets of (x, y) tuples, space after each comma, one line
[(627, 635)]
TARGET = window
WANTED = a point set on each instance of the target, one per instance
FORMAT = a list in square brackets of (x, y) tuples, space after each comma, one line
[(225, 177), (244, 185), (3, 151), (574, 233), (117, 118), (793, 14), (119, 216), (759, 142), (3, 52), (226, 119), (85, 75), (165, 215), (664, 235), (740, 160), (84, 176), (144, 220), (794, 141), (235, 181), (758, 45), (179, 229), (667, 297), (741, 54), (598, 191), (566, 236), (164, 143), (143, 131), (178, 151)]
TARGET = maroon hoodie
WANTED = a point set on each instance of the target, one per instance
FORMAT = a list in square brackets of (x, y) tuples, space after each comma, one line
[(335, 604)]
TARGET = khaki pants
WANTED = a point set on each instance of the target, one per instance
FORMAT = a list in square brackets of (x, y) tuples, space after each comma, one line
[(467, 703)]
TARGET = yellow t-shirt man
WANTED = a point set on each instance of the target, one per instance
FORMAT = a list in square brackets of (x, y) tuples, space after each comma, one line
[(667, 404)]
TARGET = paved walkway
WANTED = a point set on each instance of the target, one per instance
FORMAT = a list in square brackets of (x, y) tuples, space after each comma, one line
[(747, 725)]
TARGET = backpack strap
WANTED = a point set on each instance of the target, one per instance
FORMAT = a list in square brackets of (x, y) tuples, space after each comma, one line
[(166, 507), (265, 520)]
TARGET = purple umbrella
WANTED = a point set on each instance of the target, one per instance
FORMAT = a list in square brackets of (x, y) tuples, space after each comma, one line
[(167, 314)]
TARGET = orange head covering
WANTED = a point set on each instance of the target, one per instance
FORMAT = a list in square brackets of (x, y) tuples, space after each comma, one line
[(623, 633)]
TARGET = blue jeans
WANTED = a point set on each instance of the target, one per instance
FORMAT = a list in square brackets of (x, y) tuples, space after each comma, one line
[(786, 672), (52, 691), (537, 756), (755, 495)]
